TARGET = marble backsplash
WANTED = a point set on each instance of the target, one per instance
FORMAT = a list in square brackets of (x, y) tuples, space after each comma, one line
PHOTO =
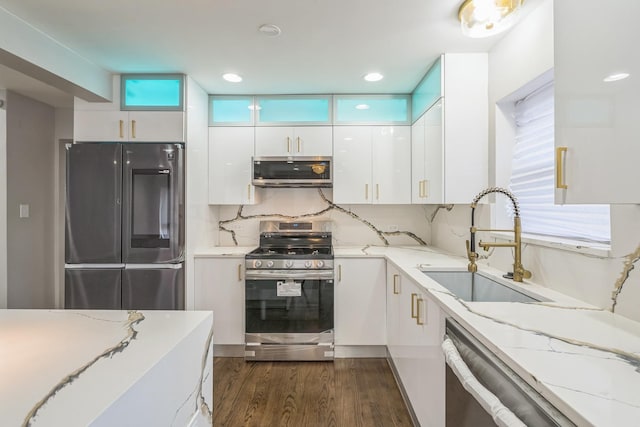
[(352, 224)]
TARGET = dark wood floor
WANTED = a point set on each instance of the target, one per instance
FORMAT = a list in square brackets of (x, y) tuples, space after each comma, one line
[(347, 392)]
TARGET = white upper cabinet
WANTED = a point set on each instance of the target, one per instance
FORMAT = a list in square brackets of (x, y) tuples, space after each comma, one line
[(293, 141), (104, 121), (230, 151), (427, 145), (372, 164), (128, 126), (597, 131), (450, 141)]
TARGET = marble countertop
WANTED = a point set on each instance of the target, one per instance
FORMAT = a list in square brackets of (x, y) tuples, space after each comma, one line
[(66, 367), (583, 359), (222, 251)]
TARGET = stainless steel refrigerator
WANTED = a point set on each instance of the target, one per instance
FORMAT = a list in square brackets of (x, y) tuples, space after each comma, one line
[(124, 226)]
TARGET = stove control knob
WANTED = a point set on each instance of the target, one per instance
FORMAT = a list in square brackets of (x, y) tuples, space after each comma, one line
[(320, 264), (269, 264), (288, 263), (307, 264), (257, 263)]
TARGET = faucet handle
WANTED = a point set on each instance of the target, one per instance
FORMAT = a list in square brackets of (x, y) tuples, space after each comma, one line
[(472, 256), (520, 273)]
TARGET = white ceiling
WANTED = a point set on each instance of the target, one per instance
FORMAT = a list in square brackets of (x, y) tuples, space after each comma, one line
[(326, 46)]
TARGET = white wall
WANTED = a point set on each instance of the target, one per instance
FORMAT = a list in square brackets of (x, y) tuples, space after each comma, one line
[(522, 56), (30, 180)]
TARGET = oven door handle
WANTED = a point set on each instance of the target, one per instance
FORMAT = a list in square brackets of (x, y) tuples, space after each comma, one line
[(285, 275), (500, 413)]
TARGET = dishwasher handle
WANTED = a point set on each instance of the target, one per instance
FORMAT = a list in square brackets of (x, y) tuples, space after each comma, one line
[(500, 413)]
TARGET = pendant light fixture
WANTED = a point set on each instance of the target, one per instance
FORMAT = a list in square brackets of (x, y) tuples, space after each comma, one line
[(483, 18)]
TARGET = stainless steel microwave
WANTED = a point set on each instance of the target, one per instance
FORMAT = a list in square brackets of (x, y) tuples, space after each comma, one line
[(292, 172)]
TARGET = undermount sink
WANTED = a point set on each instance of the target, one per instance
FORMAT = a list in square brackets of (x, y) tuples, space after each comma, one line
[(478, 287)]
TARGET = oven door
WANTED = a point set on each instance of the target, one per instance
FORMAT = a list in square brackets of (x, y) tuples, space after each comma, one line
[(289, 316)]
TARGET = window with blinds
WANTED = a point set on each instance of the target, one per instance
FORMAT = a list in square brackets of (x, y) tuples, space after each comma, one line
[(532, 177)]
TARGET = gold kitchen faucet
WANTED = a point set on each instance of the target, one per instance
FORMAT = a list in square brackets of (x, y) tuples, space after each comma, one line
[(519, 272)]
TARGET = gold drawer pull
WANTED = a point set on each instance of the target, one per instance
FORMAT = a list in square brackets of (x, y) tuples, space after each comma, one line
[(299, 144), (396, 280), (239, 272), (560, 155), (419, 320), (121, 128), (288, 145), (339, 272), (413, 304), (133, 128), (366, 191)]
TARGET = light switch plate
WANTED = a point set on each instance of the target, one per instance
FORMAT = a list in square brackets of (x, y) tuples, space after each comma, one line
[(24, 211)]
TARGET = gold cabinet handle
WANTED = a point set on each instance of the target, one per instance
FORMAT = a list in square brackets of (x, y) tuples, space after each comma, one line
[(288, 145), (420, 194), (133, 128), (560, 154), (121, 128), (239, 272), (339, 272), (299, 144), (426, 192), (419, 320), (377, 191), (396, 280), (413, 304), (249, 191), (366, 191)]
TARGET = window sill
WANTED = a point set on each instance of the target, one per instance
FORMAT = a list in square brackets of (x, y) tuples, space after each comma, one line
[(585, 248)]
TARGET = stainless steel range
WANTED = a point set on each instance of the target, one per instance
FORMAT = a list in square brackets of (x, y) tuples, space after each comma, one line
[(289, 293)]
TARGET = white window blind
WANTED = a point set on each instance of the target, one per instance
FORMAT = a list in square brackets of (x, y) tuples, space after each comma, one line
[(532, 177)]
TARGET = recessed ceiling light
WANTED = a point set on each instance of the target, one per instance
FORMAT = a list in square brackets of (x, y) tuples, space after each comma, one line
[(615, 77), (270, 30), (362, 107), (373, 77), (231, 77)]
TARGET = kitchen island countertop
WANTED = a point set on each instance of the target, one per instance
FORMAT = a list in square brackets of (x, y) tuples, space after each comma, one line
[(102, 368)]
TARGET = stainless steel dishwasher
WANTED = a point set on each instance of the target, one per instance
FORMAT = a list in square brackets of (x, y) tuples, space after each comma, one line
[(481, 390)]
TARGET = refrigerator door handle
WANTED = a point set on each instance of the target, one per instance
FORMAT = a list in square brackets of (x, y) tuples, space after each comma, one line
[(152, 266), (94, 266)]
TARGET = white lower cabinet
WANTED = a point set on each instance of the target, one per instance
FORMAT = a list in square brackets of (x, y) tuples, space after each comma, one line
[(219, 286), (360, 301), (415, 327)]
